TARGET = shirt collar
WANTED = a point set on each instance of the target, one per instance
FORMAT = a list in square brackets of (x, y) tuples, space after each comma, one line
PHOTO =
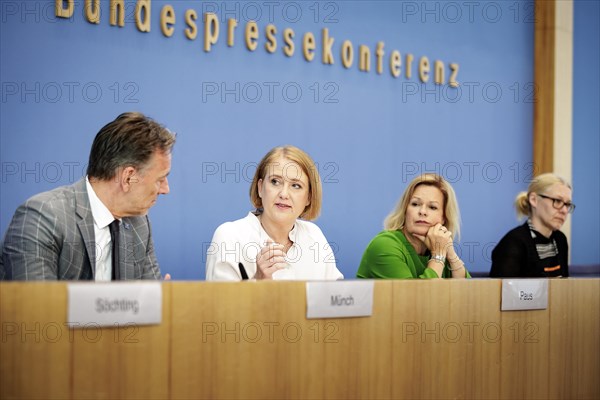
[(263, 234), (102, 216), (531, 229), (535, 233), (293, 233)]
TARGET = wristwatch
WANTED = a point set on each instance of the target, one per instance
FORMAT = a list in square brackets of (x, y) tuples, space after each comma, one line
[(438, 258)]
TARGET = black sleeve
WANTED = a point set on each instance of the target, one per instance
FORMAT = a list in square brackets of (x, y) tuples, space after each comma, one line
[(563, 254), (508, 257)]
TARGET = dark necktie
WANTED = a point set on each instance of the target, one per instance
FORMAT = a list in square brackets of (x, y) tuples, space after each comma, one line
[(114, 237)]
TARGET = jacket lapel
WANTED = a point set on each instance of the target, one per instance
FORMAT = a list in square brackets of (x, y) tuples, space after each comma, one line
[(86, 221)]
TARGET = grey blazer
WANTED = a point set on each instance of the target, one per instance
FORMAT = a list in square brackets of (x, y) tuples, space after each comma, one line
[(51, 236)]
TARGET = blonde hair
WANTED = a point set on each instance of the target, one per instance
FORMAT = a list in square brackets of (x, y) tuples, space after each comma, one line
[(397, 217), (298, 156), (538, 185)]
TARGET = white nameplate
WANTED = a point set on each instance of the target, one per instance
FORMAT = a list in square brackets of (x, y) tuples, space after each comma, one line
[(524, 294), (339, 299), (110, 304)]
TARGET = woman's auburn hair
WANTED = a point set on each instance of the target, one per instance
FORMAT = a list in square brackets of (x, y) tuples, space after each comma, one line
[(299, 157)]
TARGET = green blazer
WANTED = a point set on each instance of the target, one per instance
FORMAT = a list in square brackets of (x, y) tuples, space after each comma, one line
[(391, 256)]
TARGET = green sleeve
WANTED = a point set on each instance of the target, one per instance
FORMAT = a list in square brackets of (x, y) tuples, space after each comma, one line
[(428, 273), (386, 257), (448, 274)]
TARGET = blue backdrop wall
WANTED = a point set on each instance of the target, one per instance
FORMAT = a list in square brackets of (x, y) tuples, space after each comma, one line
[(63, 79), (586, 134)]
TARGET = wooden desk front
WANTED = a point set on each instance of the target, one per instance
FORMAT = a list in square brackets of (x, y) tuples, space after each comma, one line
[(426, 339)]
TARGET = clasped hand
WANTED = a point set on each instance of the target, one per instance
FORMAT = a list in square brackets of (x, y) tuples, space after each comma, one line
[(270, 259), (439, 241)]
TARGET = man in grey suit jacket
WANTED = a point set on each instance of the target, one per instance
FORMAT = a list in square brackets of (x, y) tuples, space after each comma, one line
[(64, 233)]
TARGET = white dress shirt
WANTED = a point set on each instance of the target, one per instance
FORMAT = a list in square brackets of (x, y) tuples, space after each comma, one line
[(102, 219), (309, 258)]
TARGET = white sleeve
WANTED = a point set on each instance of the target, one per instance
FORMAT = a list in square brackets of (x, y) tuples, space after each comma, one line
[(328, 258), (220, 264), (331, 271)]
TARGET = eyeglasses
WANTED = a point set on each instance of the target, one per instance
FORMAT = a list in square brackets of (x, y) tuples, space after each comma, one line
[(558, 203)]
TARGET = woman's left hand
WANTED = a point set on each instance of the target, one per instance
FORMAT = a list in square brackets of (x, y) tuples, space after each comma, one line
[(439, 241)]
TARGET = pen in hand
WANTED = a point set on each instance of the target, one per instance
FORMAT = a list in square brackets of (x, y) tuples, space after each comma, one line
[(243, 271)]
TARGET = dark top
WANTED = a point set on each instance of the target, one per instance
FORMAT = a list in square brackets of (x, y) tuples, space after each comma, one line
[(516, 255)]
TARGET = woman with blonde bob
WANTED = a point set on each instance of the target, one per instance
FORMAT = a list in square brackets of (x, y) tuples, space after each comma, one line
[(537, 248), (276, 241), (418, 240)]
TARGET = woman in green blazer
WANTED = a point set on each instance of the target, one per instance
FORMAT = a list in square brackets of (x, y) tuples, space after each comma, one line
[(418, 240)]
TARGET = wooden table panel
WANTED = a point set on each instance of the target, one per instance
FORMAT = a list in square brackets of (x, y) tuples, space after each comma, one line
[(36, 345), (574, 349), (253, 340), (123, 362)]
